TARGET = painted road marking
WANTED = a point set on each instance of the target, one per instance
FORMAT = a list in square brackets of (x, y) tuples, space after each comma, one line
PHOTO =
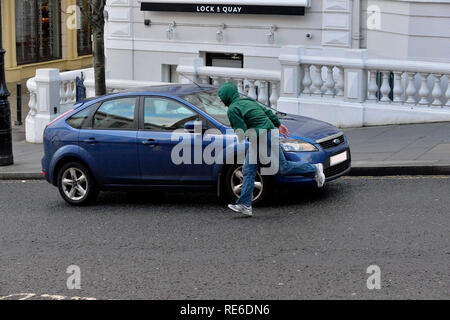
[(29, 296)]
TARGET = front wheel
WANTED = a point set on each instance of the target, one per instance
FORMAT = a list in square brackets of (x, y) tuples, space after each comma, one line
[(76, 184), (234, 178)]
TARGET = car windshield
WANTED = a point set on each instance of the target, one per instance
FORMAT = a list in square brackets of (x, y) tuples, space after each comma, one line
[(210, 103)]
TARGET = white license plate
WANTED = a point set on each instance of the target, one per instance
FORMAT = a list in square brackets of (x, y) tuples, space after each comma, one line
[(339, 158)]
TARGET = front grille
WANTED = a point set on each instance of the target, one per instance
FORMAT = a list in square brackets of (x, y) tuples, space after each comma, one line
[(337, 169), (330, 143)]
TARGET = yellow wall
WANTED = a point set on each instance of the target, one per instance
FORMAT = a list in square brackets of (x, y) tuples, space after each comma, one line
[(70, 60)]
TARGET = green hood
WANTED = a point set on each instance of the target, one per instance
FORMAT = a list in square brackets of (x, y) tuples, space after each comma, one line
[(228, 92)]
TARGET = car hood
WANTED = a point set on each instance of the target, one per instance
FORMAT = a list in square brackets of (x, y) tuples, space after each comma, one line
[(304, 127)]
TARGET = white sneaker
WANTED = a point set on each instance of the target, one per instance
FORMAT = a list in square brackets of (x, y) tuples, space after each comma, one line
[(240, 208), (320, 176)]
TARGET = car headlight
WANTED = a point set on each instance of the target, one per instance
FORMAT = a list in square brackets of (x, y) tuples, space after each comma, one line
[(290, 145)]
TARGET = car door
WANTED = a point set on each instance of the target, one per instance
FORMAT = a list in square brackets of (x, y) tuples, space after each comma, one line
[(160, 117), (110, 141)]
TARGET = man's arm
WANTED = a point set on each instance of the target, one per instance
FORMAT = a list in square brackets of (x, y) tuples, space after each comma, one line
[(276, 122)]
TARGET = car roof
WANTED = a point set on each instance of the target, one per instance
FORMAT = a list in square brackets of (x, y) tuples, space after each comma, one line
[(174, 89)]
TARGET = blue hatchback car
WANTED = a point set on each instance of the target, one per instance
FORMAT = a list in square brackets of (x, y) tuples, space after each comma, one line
[(124, 141)]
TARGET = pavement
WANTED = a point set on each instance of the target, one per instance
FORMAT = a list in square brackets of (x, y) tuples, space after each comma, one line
[(422, 149), (400, 149), (27, 158), (183, 245)]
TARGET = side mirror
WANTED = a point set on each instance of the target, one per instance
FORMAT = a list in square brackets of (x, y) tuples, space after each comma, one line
[(193, 125), (190, 126)]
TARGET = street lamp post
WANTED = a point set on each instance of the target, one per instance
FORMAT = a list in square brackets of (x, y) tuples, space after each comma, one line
[(6, 156)]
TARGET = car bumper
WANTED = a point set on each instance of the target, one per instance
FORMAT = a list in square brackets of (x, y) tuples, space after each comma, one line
[(332, 172), (45, 170)]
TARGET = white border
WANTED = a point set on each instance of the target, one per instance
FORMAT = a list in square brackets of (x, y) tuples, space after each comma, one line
[(294, 3)]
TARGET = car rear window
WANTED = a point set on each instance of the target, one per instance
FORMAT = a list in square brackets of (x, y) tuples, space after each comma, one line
[(80, 119)]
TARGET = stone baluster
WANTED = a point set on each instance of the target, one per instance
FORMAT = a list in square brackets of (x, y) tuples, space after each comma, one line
[(373, 86), (216, 81), (307, 82), (318, 82), (273, 95), (411, 89), (31, 117), (437, 91), (73, 91), (204, 79), (424, 92), (251, 90), (398, 87), (68, 91), (62, 93), (32, 104), (240, 85), (385, 87), (330, 83), (246, 88), (263, 94), (447, 93), (340, 82)]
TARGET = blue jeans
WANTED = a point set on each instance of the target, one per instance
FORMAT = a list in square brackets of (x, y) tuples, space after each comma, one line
[(286, 168)]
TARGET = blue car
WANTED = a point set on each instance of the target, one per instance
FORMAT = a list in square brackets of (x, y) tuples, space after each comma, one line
[(124, 141)]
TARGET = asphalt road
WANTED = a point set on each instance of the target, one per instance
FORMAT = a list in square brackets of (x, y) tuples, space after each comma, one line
[(306, 245)]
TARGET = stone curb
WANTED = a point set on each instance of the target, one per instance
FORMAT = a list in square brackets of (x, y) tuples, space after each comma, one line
[(400, 169), (21, 176)]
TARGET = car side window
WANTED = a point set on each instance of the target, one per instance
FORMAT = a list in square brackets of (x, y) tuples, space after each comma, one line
[(80, 119), (115, 114), (161, 114)]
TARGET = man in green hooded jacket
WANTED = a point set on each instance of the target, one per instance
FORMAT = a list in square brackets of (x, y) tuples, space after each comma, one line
[(249, 117)]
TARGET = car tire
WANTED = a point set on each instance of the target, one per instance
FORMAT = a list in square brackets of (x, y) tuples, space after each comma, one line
[(232, 181), (76, 184)]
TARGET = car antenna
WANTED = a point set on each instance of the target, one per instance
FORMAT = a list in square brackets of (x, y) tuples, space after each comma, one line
[(190, 80)]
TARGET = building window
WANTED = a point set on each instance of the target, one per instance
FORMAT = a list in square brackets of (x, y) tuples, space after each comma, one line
[(226, 60), (84, 31), (38, 30)]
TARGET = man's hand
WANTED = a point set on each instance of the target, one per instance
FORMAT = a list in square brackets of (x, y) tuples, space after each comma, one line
[(283, 131)]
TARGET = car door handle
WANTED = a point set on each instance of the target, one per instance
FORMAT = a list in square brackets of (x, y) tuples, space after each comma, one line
[(150, 142), (90, 141)]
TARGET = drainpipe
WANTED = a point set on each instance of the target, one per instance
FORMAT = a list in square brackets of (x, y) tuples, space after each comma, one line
[(356, 24)]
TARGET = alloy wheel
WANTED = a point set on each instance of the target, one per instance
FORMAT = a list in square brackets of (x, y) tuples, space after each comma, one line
[(237, 179), (75, 184)]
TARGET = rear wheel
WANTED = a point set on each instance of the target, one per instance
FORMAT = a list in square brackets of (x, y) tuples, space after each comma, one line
[(76, 184), (233, 184)]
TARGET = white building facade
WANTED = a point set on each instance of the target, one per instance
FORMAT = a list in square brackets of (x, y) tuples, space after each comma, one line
[(348, 62)]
